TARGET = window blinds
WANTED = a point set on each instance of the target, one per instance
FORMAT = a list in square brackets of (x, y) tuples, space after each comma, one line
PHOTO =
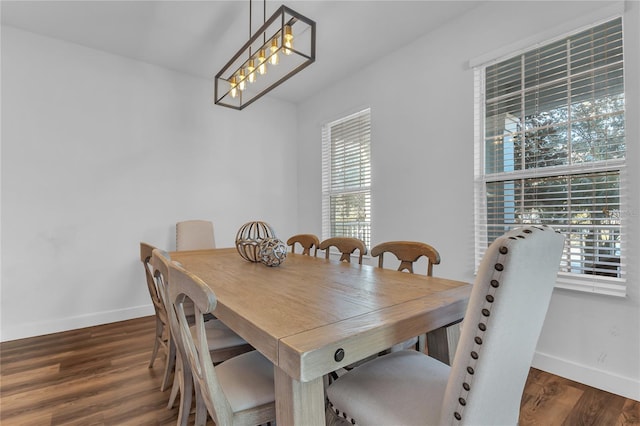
[(554, 150), (347, 177)]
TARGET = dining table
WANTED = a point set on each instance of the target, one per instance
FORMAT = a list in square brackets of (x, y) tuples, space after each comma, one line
[(311, 316)]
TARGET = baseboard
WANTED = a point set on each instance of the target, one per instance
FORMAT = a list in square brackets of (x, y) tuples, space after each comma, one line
[(606, 381), (40, 328)]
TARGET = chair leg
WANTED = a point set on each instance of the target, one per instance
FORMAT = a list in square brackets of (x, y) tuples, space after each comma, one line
[(156, 344), (422, 343), (169, 365), (201, 409), (186, 395)]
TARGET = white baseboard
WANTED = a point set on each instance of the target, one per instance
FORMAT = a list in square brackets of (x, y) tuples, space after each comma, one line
[(40, 328), (604, 380)]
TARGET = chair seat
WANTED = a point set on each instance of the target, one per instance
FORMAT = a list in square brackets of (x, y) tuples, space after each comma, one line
[(219, 336), (383, 391), (247, 381)]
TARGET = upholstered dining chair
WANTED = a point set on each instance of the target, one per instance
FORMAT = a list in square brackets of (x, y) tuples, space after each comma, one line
[(408, 252), (162, 322), (503, 320), (306, 241), (194, 235), (346, 245), (238, 391), (222, 343)]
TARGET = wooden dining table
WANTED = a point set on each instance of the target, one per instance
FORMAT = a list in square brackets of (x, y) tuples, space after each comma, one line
[(311, 316)]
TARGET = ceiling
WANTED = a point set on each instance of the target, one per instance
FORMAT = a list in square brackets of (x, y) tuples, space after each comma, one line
[(199, 37)]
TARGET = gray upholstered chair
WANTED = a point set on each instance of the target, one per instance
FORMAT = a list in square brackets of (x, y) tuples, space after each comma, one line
[(222, 343), (484, 386), (346, 245), (162, 322), (238, 391), (194, 235), (408, 252), (306, 241)]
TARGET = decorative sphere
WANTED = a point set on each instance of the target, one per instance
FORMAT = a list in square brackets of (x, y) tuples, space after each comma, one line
[(272, 251), (249, 237)]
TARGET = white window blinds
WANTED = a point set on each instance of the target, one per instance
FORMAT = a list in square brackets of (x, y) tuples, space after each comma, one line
[(552, 144), (346, 181)]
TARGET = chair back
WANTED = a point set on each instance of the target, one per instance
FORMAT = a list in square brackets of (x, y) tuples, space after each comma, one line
[(346, 246), (501, 327), (186, 286), (407, 253), (195, 235), (146, 251), (306, 241), (160, 271)]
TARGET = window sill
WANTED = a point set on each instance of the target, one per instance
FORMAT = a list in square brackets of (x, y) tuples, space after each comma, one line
[(588, 284)]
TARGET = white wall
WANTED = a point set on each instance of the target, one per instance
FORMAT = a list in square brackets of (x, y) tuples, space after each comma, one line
[(421, 100), (100, 152)]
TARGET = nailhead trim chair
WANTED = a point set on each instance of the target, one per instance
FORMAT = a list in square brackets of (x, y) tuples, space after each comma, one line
[(504, 317)]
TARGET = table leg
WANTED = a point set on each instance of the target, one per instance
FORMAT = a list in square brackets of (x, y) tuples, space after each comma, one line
[(298, 403), (442, 342)]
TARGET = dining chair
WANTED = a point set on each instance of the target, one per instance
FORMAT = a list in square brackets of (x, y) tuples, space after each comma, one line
[(408, 252), (306, 241), (194, 235), (222, 342), (238, 391), (162, 322), (346, 245), (503, 320)]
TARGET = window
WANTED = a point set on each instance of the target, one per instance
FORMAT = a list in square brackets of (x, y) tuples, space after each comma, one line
[(550, 148), (346, 177)]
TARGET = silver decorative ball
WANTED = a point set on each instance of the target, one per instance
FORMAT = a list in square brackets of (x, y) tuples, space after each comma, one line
[(249, 237), (272, 251)]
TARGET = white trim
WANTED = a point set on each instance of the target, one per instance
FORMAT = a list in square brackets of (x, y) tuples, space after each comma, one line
[(39, 328), (580, 23), (600, 379)]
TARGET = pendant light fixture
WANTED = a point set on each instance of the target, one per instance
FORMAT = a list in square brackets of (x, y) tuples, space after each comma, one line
[(283, 46)]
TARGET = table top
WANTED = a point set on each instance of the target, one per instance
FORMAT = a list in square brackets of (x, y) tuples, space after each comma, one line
[(301, 313)]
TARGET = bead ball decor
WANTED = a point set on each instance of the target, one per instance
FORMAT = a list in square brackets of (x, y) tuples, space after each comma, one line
[(249, 237), (272, 251)]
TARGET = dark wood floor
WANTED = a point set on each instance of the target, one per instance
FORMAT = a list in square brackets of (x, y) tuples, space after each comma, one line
[(99, 376)]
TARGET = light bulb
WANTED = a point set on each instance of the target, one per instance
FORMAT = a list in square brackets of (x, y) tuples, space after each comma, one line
[(287, 40), (241, 81), (234, 90), (250, 71), (273, 59), (262, 61)]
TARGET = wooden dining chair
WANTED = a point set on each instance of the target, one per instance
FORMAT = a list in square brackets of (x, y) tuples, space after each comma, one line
[(194, 235), (162, 322), (407, 252), (238, 391), (222, 343), (306, 241), (346, 245), (484, 385)]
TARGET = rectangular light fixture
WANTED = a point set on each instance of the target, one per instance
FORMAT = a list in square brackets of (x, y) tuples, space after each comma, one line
[(283, 46)]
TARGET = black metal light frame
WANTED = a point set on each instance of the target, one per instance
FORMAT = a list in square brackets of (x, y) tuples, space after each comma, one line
[(287, 16)]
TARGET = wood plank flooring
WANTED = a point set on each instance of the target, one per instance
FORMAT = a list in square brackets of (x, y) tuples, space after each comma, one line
[(99, 376)]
